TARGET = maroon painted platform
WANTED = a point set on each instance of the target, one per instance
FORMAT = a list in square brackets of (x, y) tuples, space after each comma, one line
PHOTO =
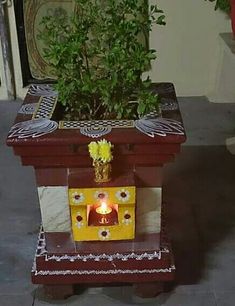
[(141, 260), (60, 155)]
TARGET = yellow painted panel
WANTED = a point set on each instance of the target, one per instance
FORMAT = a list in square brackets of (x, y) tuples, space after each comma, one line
[(125, 229), (112, 195), (82, 213)]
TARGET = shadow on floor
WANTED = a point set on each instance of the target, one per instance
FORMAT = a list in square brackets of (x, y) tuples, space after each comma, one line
[(199, 194)]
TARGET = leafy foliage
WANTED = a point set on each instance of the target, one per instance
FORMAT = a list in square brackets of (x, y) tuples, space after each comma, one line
[(223, 5), (98, 58)]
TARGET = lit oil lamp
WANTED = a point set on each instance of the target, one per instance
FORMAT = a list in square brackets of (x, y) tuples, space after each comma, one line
[(104, 210), (103, 214)]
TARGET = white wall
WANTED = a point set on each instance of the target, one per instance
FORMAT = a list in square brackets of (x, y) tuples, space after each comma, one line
[(3, 91), (188, 46), (20, 91)]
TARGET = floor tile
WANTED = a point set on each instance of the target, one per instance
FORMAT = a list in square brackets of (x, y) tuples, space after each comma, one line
[(226, 298), (84, 300), (201, 287), (198, 299), (16, 255), (121, 294), (207, 123), (220, 265), (16, 300)]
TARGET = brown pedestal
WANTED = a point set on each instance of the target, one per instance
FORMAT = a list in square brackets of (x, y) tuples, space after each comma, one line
[(58, 152), (146, 259)]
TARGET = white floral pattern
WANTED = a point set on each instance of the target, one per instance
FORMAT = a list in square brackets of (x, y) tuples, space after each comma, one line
[(123, 195), (79, 220), (79, 224), (127, 218), (77, 197), (101, 195), (32, 128), (104, 234)]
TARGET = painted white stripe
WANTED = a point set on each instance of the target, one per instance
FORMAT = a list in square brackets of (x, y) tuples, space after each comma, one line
[(103, 272)]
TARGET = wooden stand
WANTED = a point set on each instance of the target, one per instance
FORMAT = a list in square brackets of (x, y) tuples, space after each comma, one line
[(58, 152), (147, 262)]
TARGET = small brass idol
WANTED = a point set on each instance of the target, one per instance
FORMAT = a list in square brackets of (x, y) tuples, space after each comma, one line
[(102, 172), (101, 153)]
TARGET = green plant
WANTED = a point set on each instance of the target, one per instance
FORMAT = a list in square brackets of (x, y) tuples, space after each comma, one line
[(98, 58), (223, 5)]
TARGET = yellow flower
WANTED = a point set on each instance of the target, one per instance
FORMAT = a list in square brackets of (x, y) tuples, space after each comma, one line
[(105, 153), (101, 151), (93, 148)]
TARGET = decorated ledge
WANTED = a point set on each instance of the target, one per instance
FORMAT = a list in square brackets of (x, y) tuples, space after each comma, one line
[(32, 128), (41, 122), (42, 252), (42, 90), (28, 109), (45, 107)]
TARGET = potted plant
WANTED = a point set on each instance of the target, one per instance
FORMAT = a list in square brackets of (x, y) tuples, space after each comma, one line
[(227, 6), (98, 58)]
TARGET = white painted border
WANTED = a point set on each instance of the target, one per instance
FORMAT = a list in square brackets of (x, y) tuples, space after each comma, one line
[(102, 272), (41, 251), (109, 257)]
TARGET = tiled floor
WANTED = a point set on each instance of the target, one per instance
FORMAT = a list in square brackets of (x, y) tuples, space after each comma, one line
[(200, 196)]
